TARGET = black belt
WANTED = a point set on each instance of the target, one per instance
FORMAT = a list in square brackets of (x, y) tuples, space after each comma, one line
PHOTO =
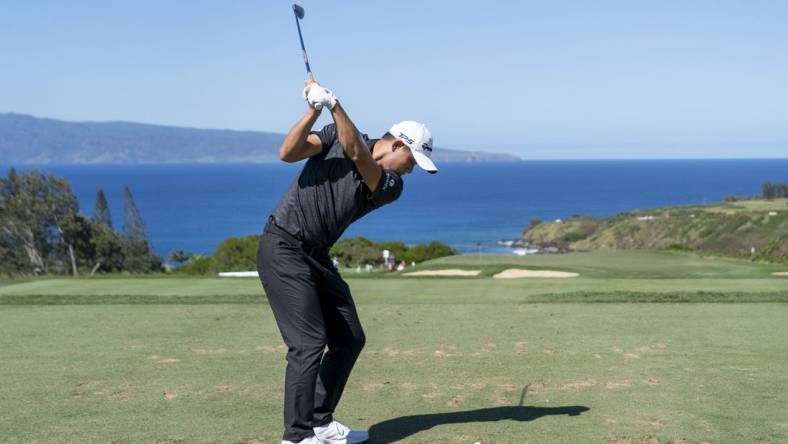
[(272, 227)]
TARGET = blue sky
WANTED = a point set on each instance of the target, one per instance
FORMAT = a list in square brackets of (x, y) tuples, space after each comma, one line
[(544, 80)]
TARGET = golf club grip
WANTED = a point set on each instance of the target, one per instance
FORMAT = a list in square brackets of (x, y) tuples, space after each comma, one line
[(308, 68)]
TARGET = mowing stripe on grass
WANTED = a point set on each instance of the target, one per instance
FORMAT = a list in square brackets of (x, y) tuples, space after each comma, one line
[(134, 299), (573, 297)]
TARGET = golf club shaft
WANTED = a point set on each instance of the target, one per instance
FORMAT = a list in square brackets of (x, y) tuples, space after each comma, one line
[(306, 59)]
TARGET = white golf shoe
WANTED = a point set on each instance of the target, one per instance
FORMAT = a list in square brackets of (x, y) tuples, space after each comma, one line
[(310, 440), (337, 433)]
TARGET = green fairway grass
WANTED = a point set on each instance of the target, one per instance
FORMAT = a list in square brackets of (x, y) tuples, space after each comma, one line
[(447, 360), (624, 264)]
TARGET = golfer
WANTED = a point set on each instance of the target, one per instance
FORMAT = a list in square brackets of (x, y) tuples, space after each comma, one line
[(347, 176)]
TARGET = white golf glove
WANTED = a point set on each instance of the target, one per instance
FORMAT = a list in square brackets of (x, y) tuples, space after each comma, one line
[(318, 97)]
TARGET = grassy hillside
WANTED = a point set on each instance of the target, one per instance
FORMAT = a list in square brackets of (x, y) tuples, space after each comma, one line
[(731, 228)]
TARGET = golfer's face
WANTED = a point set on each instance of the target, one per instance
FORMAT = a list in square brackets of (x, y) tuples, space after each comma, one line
[(407, 161)]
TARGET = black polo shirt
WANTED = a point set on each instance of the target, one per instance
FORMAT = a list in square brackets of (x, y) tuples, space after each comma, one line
[(329, 194)]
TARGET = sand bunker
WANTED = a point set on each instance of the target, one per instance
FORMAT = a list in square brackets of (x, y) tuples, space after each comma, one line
[(448, 272), (780, 273), (513, 273)]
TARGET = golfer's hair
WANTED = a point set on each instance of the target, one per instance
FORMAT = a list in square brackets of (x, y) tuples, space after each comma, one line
[(387, 136)]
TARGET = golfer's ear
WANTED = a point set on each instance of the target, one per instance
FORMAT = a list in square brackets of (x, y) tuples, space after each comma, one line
[(397, 144)]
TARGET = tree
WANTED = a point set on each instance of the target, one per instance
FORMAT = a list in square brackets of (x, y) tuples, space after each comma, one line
[(360, 250), (179, 256), (25, 226), (41, 230), (397, 249), (768, 190), (357, 251), (137, 255), (101, 214), (63, 209), (132, 221), (107, 248)]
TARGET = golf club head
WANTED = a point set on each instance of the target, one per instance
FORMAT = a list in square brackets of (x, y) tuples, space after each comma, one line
[(299, 11)]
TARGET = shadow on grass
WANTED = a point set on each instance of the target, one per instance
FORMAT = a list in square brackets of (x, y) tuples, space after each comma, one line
[(400, 428)]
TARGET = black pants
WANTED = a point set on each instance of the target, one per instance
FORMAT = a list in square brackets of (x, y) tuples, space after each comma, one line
[(313, 309)]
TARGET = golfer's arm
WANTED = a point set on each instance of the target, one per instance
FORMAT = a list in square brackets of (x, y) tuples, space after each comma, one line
[(298, 143), (355, 148)]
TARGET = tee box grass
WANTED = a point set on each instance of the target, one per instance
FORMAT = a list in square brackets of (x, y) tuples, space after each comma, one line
[(447, 359)]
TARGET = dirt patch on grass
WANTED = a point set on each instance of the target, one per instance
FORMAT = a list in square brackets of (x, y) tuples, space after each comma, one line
[(207, 351), (534, 387), (653, 422), (447, 272), (618, 384), (223, 388), (269, 349), (514, 273), (455, 401), (509, 387), (391, 352), (577, 385), (628, 440), (123, 395), (163, 360), (169, 395), (442, 354), (373, 387), (780, 273), (408, 386)]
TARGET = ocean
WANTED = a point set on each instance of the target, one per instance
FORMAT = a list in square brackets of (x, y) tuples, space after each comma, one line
[(469, 206)]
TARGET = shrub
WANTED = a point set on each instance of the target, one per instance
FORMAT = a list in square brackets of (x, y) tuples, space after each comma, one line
[(678, 247), (357, 251), (360, 250), (198, 264), (236, 254), (532, 223), (425, 252)]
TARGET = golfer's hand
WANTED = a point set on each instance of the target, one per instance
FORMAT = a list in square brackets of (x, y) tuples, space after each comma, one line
[(317, 96)]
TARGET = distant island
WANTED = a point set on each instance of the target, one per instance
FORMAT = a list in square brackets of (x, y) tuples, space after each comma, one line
[(26, 139)]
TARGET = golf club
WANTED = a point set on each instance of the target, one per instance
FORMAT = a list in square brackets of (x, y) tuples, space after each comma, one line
[(299, 15)]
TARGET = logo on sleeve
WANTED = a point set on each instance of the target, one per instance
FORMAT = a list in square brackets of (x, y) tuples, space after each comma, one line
[(388, 181)]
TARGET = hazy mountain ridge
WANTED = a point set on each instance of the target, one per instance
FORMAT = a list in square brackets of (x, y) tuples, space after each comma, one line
[(26, 139)]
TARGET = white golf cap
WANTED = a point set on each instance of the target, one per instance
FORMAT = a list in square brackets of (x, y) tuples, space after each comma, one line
[(419, 139)]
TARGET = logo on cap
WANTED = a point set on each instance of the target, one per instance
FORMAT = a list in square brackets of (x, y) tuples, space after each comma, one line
[(405, 136)]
